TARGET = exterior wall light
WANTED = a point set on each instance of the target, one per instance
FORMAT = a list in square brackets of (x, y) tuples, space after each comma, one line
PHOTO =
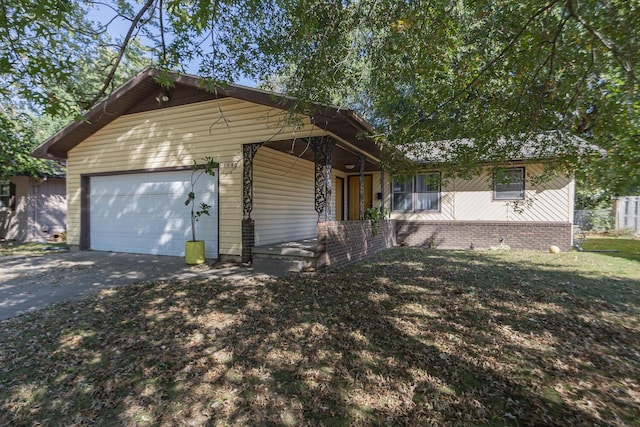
[(162, 97)]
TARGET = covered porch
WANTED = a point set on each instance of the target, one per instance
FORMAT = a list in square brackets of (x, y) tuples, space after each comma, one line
[(338, 243), (332, 182)]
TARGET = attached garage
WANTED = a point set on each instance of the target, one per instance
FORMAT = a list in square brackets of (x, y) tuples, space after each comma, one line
[(145, 213), (128, 166)]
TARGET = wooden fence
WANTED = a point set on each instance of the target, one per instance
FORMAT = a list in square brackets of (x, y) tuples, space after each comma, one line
[(628, 213)]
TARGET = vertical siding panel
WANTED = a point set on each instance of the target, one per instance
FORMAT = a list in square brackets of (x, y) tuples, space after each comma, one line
[(16, 225), (375, 189), (50, 208), (283, 197)]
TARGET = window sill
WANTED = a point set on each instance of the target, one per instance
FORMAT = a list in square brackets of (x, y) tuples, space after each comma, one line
[(421, 211)]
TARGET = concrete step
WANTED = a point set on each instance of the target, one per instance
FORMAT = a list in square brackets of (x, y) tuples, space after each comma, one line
[(286, 257)]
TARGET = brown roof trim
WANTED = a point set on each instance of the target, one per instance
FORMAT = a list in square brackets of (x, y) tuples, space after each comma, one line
[(344, 123)]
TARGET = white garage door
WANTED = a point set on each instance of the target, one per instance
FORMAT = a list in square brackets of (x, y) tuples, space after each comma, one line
[(145, 213)]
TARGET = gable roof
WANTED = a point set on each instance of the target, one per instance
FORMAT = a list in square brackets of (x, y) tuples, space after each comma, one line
[(131, 96)]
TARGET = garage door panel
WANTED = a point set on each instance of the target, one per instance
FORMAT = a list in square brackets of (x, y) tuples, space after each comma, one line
[(142, 227), (145, 213)]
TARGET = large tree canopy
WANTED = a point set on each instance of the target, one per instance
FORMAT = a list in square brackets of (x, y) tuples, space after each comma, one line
[(424, 72), (54, 64)]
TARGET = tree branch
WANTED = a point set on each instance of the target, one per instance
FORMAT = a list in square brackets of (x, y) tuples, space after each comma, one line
[(14, 48), (577, 91), (163, 61), (503, 52), (608, 44), (121, 52), (548, 60)]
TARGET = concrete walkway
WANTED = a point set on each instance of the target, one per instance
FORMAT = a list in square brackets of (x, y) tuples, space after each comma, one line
[(33, 283)]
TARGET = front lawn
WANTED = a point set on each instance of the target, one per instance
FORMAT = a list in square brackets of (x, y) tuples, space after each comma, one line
[(410, 337), (31, 249), (624, 247)]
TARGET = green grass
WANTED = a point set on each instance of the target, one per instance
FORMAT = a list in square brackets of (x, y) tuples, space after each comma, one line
[(409, 337), (30, 249), (626, 247)]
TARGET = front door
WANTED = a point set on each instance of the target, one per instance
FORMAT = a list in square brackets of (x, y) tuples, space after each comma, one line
[(354, 195), (339, 189)]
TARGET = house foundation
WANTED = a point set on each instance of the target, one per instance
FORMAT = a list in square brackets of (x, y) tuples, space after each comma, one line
[(484, 234)]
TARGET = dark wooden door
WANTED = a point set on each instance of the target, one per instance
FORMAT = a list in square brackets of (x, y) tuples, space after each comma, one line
[(339, 191), (354, 195)]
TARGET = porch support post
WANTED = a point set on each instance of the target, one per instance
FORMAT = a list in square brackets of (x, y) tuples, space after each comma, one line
[(248, 153), (361, 158), (248, 226), (323, 149)]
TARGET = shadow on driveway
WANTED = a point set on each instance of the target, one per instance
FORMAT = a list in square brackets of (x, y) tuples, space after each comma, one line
[(33, 283)]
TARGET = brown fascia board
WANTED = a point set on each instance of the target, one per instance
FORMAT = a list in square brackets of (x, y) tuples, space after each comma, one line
[(126, 97)]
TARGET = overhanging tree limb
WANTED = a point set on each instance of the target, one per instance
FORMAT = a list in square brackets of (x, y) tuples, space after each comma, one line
[(121, 52), (608, 44), (504, 51)]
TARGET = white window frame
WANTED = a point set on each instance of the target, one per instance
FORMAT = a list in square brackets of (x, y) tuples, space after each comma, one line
[(411, 185), (506, 190)]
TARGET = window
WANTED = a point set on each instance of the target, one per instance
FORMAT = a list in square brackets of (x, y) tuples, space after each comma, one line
[(508, 184), (7, 196), (420, 193)]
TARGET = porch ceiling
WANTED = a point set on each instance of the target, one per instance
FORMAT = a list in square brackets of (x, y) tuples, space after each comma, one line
[(341, 156)]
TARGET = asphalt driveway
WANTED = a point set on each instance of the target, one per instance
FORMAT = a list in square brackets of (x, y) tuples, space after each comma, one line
[(33, 283)]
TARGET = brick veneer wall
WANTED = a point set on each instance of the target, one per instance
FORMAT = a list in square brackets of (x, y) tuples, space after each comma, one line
[(484, 234), (248, 238), (343, 242)]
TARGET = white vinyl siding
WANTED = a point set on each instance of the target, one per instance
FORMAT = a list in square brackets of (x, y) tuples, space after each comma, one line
[(472, 199), (175, 136), (283, 198)]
